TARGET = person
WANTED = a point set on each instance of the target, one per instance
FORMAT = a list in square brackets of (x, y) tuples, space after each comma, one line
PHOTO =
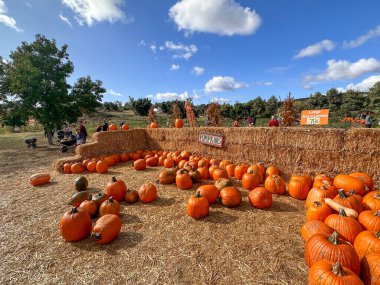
[(105, 127), (368, 120), (237, 122), (83, 131), (68, 131), (99, 129), (80, 137), (273, 122), (121, 124), (251, 121)]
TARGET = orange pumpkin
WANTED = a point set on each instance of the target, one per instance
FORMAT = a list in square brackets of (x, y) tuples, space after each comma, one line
[(219, 173), (179, 123), (368, 181), (39, 179), (210, 192), (311, 228), (153, 125), (197, 206), (367, 242), (91, 166), (318, 211), (255, 169), (75, 225), (370, 269), (260, 198), (370, 220), (222, 183), (230, 197), (167, 177), (272, 170), (185, 154), (348, 201), (320, 193), (250, 180), (211, 170), (348, 183), (67, 168), (240, 170), (224, 163), (275, 184), (168, 163), (230, 168), (106, 229), (112, 127), (183, 180), (109, 206), (139, 164), (101, 167), (116, 189), (131, 196), (90, 206), (77, 168), (204, 172), (125, 127), (371, 201), (204, 162), (298, 189), (148, 193), (152, 161)]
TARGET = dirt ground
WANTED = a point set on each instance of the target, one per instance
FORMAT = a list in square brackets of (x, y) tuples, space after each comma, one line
[(158, 243)]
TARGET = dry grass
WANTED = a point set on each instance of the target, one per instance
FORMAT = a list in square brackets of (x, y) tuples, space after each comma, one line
[(158, 244)]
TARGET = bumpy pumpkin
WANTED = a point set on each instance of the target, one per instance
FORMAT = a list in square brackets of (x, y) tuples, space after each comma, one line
[(311, 228), (89, 206), (39, 179), (131, 196), (367, 242), (370, 220), (275, 184), (106, 229), (197, 206), (148, 193), (81, 183), (109, 206), (116, 189), (183, 180), (167, 177), (75, 225), (230, 197), (210, 192), (333, 249), (260, 198), (318, 211)]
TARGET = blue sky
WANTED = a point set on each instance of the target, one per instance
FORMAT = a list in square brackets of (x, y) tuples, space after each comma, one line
[(225, 50)]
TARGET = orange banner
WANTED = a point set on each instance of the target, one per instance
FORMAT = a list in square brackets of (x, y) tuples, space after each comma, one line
[(315, 117)]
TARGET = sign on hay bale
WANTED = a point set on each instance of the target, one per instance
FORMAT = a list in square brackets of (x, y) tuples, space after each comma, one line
[(315, 117), (211, 139)]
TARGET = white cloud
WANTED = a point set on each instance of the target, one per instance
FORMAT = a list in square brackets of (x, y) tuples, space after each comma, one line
[(315, 49), (174, 67), (7, 20), (142, 43), (197, 70), (222, 17), (342, 69), (362, 86), (180, 50), (170, 96), (153, 48), (114, 93), (220, 84), (364, 38), (264, 83), (90, 11), (196, 96), (149, 96), (66, 20), (219, 100)]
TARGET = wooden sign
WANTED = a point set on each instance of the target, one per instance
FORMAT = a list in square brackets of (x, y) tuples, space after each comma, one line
[(211, 139), (315, 117)]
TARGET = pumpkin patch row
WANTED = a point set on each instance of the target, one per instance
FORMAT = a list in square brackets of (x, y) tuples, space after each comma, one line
[(342, 232)]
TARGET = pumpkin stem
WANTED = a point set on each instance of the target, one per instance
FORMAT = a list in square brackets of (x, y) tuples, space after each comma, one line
[(342, 213), (317, 204), (351, 192), (113, 179), (89, 197), (377, 214), (74, 210), (337, 269), (342, 194), (377, 196), (334, 238), (96, 236), (219, 200), (377, 235), (198, 195), (110, 199)]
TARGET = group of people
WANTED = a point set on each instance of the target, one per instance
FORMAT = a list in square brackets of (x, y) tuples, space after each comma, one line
[(251, 121), (80, 135)]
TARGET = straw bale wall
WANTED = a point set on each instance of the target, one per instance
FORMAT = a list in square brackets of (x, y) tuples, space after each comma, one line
[(293, 150)]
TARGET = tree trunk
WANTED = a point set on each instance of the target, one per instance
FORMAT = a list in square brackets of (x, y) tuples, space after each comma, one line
[(49, 136)]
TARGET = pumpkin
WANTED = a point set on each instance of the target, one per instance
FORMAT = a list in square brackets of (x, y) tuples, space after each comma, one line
[(211, 170), (346, 226), (167, 177), (370, 269), (78, 198), (272, 170), (230, 197), (336, 206), (75, 225), (347, 183), (148, 193), (39, 179), (327, 272), (152, 161), (131, 196), (333, 249), (320, 193), (204, 162), (352, 193), (219, 173), (250, 180), (195, 176), (101, 167), (139, 164), (210, 192), (318, 211), (89, 206), (116, 189), (85, 162), (368, 181), (311, 228), (298, 189), (106, 229), (255, 169), (116, 158), (168, 163), (109, 160), (124, 157), (183, 180), (112, 127), (125, 127), (371, 201), (230, 168), (81, 183), (179, 123), (109, 206), (67, 168), (322, 178), (348, 201), (215, 161), (161, 160), (153, 125), (91, 166), (185, 154), (260, 198), (100, 198), (135, 155), (77, 167), (275, 184), (197, 206), (240, 170), (224, 163), (370, 220), (367, 242), (204, 172), (261, 167), (222, 182)]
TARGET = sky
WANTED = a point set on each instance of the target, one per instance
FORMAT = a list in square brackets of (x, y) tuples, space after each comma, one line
[(207, 50)]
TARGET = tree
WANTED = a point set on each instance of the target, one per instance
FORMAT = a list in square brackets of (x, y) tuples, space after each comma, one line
[(227, 111), (256, 107), (334, 99), (353, 102), (140, 106), (36, 78), (318, 101), (271, 106), (374, 97)]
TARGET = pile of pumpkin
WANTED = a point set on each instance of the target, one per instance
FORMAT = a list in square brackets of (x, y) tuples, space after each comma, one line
[(342, 231), (76, 223)]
